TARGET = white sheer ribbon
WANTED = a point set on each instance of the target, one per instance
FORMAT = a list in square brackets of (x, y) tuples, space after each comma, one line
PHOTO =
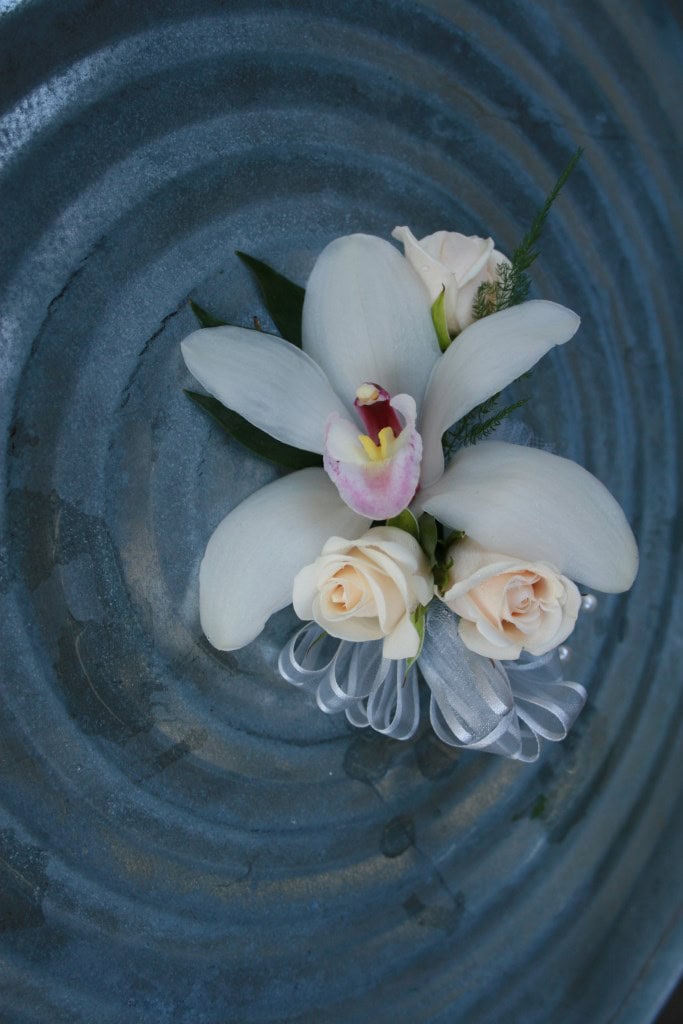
[(354, 678), (476, 703)]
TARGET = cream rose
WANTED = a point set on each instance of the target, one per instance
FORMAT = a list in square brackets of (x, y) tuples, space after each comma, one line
[(458, 263), (367, 589), (507, 605)]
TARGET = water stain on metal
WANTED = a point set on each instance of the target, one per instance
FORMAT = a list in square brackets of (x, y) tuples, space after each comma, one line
[(368, 757), (106, 679), (398, 836), (23, 883), (20, 437), (49, 531), (443, 916), (434, 759), (194, 740), (535, 809)]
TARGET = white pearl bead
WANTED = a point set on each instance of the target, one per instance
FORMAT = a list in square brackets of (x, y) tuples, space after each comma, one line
[(564, 653), (589, 603)]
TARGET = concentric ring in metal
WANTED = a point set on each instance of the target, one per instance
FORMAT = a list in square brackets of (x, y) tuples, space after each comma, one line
[(183, 837)]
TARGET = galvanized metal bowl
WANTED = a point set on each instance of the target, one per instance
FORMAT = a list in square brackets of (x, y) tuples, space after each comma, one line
[(183, 838)]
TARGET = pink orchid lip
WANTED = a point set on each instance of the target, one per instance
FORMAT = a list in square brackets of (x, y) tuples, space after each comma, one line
[(373, 404), (377, 479)]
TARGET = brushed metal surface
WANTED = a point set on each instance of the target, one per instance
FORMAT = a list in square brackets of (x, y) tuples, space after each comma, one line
[(183, 838)]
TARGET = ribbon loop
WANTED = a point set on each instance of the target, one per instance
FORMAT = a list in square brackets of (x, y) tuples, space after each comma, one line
[(353, 677), (472, 693), (477, 704)]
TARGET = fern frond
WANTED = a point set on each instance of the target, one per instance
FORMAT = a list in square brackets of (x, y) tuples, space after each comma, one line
[(512, 283)]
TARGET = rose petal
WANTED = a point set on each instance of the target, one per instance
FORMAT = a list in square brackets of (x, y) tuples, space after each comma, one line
[(389, 568), (488, 644), (466, 255), (403, 642), (458, 263), (537, 506), (485, 358), (425, 258), (468, 289), (270, 382), (473, 564), (367, 318), (256, 551), (381, 489)]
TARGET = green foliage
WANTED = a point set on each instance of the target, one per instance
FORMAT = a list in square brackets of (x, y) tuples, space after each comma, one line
[(429, 536), (205, 319), (439, 321), (440, 573), (436, 547), (283, 298), (510, 288), (251, 437), (418, 620), (513, 283), (405, 520), (453, 537), (478, 424), (284, 301), (444, 562)]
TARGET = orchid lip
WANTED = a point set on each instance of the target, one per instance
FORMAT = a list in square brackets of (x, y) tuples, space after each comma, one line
[(373, 404), (378, 478)]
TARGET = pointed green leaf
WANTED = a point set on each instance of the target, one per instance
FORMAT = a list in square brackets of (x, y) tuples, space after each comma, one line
[(251, 437), (429, 536), (418, 620), (454, 537), (439, 321), (405, 520), (205, 319), (440, 572), (283, 298)]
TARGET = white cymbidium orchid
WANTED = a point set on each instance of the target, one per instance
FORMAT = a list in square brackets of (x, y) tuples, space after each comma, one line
[(369, 345), (536, 506)]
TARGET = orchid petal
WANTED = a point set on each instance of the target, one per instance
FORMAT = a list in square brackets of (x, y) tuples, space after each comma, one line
[(367, 318), (270, 382), (254, 554), (377, 489), (530, 504), (485, 358)]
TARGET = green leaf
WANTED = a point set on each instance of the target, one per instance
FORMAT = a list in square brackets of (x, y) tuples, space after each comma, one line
[(405, 520), (440, 573), (512, 282), (525, 253), (418, 620), (283, 298), (439, 321), (205, 319), (454, 537), (429, 536), (251, 437)]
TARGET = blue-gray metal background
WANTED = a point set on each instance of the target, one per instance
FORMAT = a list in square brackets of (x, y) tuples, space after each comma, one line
[(184, 838)]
